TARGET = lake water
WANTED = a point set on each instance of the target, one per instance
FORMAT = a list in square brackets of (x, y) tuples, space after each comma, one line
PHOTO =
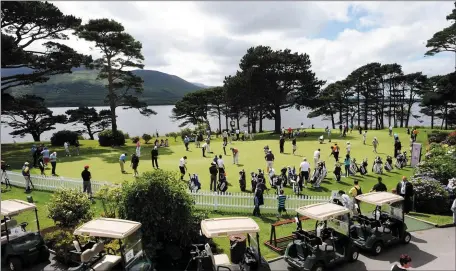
[(131, 121)]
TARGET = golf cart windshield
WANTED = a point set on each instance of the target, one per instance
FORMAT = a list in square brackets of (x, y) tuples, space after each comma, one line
[(19, 223), (132, 249), (386, 202), (394, 210), (338, 225)]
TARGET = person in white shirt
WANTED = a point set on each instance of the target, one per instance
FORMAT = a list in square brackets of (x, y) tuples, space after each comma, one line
[(329, 134), (237, 134), (364, 137), (348, 147), (390, 130), (221, 165), (375, 144), (316, 157), (66, 145), (246, 135), (305, 170), (183, 166)]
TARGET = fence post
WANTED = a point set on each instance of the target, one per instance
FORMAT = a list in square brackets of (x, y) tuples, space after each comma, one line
[(215, 201)]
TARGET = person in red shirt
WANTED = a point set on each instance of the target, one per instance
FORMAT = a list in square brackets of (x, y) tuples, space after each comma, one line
[(235, 155), (289, 132)]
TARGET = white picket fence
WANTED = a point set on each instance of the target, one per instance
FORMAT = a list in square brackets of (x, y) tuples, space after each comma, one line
[(50, 183), (244, 201), (209, 200)]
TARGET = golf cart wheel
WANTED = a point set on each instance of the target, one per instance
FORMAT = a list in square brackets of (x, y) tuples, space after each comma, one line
[(44, 255), (14, 264), (407, 238), (353, 256), (318, 267), (377, 248)]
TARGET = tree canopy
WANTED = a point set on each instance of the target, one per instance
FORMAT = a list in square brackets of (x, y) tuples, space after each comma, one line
[(93, 121)]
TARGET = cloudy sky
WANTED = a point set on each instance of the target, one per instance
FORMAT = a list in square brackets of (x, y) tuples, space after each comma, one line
[(204, 41)]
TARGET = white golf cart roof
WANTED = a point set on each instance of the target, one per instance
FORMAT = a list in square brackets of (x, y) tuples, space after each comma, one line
[(322, 211), (224, 226), (108, 228), (379, 198), (15, 206)]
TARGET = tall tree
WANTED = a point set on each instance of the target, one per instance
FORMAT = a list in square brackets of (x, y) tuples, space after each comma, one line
[(445, 39), (217, 103), (29, 115), (93, 121), (119, 51), (24, 26), (193, 108)]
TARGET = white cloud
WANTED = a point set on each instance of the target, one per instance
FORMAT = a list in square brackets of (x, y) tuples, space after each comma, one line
[(204, 41)]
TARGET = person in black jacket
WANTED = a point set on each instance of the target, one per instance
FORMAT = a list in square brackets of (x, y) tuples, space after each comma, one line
[(134, 164), (86, 184), (405, 189), (154, 154), (282, 143), (213, 171), (380, 186), (397, 147), (404, 263)]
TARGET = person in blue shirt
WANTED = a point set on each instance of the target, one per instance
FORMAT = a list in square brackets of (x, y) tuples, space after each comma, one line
[(122, 159), (347, 165), (186, 141)]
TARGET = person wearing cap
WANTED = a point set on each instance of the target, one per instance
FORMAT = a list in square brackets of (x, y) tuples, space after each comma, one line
[(405, 262), (235, 152), (134, 164), (53, 160), (305, 170), (269, 157), (122, 159), (154, 154), (375, 144), (86, 184), (213, 171), (183, 166), (26, 174), (405, 189)]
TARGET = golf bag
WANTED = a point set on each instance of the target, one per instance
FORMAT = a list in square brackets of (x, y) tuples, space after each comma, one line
[(401, 160), (389, 163), (223, 184), (353, 167), (283, 176), (194, 183), (363, 167), (276, 183), (318, 174), (377, 167), (254, 181), (260, 177), (293, 179), (242, 180)]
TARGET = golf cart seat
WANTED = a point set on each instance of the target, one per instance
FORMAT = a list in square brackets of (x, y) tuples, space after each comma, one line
[(106, 262), (219, 259), (9, 224), (383, 229), (325, 247)]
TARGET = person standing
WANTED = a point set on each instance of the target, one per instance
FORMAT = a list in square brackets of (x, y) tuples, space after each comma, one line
[(364, 137), (186, 141), (328, 130), (66, 145), (220, 165), (269, 157), (35, 155), (390, 130), (375, 144), (138, 148), (41, 165), (225, 137), (355, 191), (154, 154), (305, 170), (45, 154), (134, 164), (203, 149), (122, 159), (293, 144), (53, 159), (397, 147), (379, 187), (316, 157), (213, 171), (77, 145), (208, 144), (235, 152), (281, 199), (405, 190), (289, 132), (348, 147), (336, 151), (405, 262), (281, 143), (26, 174), (347, 163), (225, 142), (360, 130), (340, 129), (237, 134), (345, 200), (86, 183), (183, 166)]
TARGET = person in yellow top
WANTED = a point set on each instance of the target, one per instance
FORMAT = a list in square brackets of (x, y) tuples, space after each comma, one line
[(355, 191)]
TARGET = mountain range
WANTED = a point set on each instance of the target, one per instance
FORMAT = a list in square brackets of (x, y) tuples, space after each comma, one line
[(81, 88)]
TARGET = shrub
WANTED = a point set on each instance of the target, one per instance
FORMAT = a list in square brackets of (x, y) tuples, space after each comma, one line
[(107, 138), (451, 139), (110, 200), (135, 139), (173, 135), (126, 135), (430, 196), (437, 136), (186, 132), (167, 212), (60, 137), (146, 138), (61, 242), (69, 207)]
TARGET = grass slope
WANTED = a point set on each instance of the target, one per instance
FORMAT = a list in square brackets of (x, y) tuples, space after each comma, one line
[(82, 88)]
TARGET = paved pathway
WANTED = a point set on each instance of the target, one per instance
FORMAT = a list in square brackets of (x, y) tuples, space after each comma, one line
[(432, 249)]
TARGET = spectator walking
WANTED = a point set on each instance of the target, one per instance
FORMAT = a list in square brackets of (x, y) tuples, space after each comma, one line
[(224, 146), (293, 144), (405, 189), (26, 174), (45, 154), (122, 159), (316, 157), (305, 170), (379, 187), (138, 148), (348, 147), (347, 163), (86, 181), (282, 143), (235, 152), (336, 151), (183, 166), (134, 164), (77, 145), (337, 172), (281, 203), (364, 137), (390, 130), (154, 154), (375, 144), (405, 262), (35, 154), (213, 171), (66, 145), (269, 157), (186, 141), (355, 191), (41, 165), (53, 159), (220, 165)]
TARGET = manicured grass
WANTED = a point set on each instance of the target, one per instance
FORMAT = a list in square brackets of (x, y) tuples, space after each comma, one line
[(435, 219), (104, 165)]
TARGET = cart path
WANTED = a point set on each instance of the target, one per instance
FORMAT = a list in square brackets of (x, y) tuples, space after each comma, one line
[(432, 249)]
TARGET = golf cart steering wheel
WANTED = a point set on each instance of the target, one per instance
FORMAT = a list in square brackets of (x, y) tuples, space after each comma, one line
[(23, 225)]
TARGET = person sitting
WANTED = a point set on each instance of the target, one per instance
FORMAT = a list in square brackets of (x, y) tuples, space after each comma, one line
[(321, 139), (166, 143), (162, 143)]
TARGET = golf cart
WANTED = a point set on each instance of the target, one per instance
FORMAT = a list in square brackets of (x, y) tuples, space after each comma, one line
[(226, 226), (94, 256), (387, 227), (21, 246), (326, 246)]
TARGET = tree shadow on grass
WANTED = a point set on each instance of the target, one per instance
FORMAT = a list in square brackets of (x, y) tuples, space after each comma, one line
[(311, 136)]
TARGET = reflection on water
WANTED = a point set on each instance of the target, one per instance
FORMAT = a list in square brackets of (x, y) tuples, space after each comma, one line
[(131, 121)]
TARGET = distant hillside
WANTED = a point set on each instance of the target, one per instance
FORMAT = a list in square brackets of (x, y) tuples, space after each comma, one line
[(81, 88), (201, 85)]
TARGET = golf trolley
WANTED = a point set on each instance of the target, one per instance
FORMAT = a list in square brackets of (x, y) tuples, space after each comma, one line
[(363, 167), (353, 167), (194, 184), (389, 163), (319, 174), (377, 167), (293, 178), (401, 160)]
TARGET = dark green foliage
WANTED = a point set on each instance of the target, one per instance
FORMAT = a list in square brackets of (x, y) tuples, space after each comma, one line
[(444, 40), (437, 136), (135, 139), (93, 121), (29, 115), (193, 108), (60, 137), (107, 138), (161, 203), (60, 241), (69, 207), (430, 196), (451, 139), (146, 138), (440, 165)]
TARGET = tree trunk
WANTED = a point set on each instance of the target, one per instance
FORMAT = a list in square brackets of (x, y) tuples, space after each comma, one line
[(36, 137), (220, 120), (333, 121), (112, 101), (260, 124), (89, 131), (237, 122), (277, 120), (432, 118), (226, 121), (248, 120), (445, 116), (254, 130), (359, 116)]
